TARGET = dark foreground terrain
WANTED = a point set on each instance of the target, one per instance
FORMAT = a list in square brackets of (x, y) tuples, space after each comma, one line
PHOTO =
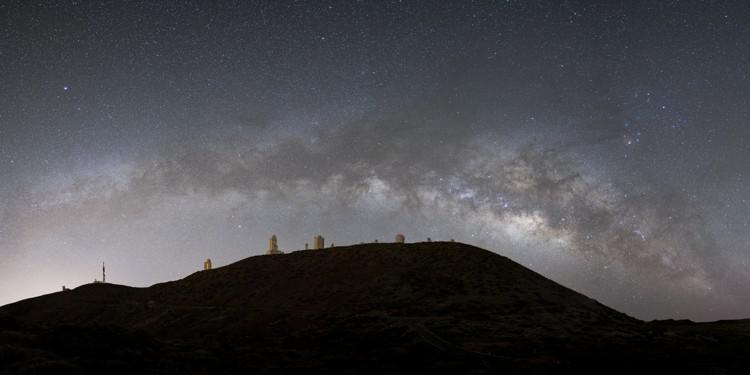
[(378, 308)]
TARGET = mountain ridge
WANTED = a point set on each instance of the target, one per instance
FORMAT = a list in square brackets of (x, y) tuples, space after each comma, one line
[(420, 307)]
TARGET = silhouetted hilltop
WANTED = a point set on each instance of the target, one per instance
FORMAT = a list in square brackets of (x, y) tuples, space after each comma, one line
[(398, 308)]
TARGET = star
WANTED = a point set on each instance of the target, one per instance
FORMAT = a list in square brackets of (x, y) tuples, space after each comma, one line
[(370, 119)]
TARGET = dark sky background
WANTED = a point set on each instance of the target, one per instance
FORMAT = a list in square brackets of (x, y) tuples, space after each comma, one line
[(604, 145)]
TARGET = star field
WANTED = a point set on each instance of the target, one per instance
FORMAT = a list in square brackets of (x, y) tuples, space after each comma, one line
[(603, 144)]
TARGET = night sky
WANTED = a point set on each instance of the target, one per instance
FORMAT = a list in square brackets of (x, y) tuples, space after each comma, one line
[(605, 145)]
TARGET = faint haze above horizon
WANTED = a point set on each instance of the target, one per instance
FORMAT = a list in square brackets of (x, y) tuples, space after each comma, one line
[(603, 144)]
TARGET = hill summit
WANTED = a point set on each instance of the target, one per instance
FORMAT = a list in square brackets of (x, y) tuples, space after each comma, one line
[(387, 308)]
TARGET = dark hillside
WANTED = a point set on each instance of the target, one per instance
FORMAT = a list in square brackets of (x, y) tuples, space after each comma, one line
[(382, 307)]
